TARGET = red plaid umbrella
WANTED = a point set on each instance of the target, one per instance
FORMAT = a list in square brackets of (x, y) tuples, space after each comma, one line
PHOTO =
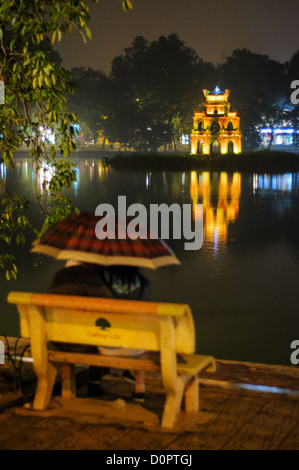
[(74, 238)]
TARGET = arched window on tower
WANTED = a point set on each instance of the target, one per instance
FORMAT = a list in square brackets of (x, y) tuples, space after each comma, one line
[(215, 127), (215, 147), (230, 147), (230, 126), (199, 147)]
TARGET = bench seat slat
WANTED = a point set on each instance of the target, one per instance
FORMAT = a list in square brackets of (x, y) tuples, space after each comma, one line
[(102, 361), (195, 364)]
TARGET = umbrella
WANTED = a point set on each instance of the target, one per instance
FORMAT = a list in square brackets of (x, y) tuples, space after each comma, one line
[(74, 238)]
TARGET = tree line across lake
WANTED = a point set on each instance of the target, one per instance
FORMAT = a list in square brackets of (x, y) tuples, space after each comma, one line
[(147, 100)]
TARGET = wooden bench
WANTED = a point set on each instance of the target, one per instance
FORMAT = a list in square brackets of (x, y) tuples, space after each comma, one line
[(163, 327)]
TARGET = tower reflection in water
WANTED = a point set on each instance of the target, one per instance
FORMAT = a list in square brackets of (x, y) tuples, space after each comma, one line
[(220, 195)]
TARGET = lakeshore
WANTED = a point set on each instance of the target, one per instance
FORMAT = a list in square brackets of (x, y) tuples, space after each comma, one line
[(259, 161), (252, 162), (244, 406)]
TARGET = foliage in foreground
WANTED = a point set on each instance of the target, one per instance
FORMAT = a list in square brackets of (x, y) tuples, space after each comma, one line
[(34, 112)]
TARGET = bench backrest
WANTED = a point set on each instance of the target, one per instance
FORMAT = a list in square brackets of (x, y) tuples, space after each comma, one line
[(107, 322)]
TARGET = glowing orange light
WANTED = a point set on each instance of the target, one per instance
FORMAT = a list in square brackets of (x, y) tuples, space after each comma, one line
[(227, 193), (216, 125)]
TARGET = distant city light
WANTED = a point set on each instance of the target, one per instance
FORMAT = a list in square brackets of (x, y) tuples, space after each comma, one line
[(185, 139), (283, 136), (47, 135), (267, 130)]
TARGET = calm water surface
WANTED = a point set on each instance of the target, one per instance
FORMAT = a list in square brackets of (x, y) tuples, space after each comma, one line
[(242, 285)]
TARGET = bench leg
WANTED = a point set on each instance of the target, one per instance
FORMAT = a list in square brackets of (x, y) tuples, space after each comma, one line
[(68, 389), (192, 395), (172, 405), (44, 389), (45, 371)]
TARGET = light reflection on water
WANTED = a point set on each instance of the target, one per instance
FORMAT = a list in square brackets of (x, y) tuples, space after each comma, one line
[(241, 286), (220, 196)]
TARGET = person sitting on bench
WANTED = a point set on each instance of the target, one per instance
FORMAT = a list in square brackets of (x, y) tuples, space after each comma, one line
[(92, 280)]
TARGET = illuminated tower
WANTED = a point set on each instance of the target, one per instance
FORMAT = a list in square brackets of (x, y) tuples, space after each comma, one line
[(216, 129)]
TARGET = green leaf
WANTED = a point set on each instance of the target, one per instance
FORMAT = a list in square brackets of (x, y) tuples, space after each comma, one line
[(53, 37), (127, 5), (88, 32)]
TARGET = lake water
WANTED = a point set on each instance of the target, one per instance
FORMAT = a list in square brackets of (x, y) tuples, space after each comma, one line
[(242, 285)]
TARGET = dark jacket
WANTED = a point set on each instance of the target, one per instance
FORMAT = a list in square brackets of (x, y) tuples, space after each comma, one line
[(79, 280), (94, 281)]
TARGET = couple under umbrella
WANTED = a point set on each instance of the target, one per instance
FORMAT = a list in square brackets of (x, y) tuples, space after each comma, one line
[(103, 268)]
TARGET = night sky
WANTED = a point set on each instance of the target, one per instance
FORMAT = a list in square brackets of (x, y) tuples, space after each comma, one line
[(213, 28)]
